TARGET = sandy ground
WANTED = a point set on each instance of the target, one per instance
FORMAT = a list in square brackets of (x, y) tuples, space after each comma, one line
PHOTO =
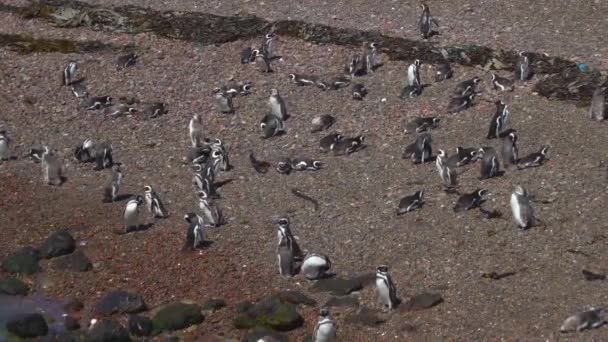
[(432, 249)]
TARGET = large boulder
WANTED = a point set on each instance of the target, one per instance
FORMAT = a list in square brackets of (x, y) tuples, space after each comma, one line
[(107, 330), (119, 301), (28, 326), (75, 262), (59, 243), (13, 287), (271, 313), (177, 316), (24, 261)]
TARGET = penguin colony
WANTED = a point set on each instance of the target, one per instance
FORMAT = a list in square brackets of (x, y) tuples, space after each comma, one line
[(209, 157)]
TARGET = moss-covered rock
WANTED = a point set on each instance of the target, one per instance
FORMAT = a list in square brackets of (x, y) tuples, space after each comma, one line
[(271, 313), (24, 261), (12, 286)]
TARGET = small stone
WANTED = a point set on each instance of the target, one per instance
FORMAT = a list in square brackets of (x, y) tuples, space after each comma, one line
[(119, 301), (28, 326), (59, 243), (13, 287)]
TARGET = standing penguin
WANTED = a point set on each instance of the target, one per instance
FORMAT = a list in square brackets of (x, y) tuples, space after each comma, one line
[(413, 74), (410, 203), (325, 330), (195, 130), (509, 150), (4, 146), (490, 166), (85, 151), (597, 111), (277, 105), (421, 150), (443, 70), (69, 72), (211, 213), (387, 292), (522, 67), (223, 101), (425, 22), (523, 214), (264, 61), (155, 205), (499, 120), (271, 126), (111, 191), (195, 233), (284, 231), (268, 45), (52, 169), (131, 214), (315, 266), (285, 258), (447, 171)]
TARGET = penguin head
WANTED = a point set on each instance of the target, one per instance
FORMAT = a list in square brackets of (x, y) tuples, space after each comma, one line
[(419, 194), (269, 36), (197, 167), (513, 136), (147, 189), (476, 80), (519, 190), (544, 150), (323, 85), (441, 153), (436, 121), (482, 193), (246, 87), (292, 77), (424, 6), (188, 217), (283, 221), (417, 63), (324, 312), (202, 194), (139, 199), (255, 53), (382, 269), (317, 164), (274, 92), (217, 90), (493, 77)]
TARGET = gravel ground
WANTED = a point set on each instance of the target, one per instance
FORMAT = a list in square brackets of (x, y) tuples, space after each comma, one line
[(429, 250)]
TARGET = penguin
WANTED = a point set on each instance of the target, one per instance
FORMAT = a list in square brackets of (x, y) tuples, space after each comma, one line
[(272, 126), (490, 166), (204, 180), (154, 110), (285, 258), (69, 72), (52, 168), (597, 111), (315, 266), (131, 214), (284, 166), (590, 319), (465, 155), (79, 89), (322, 122), (410, 92), (154, 204), (125, 61), (264, 61), (195, 130), (334, 83), (328, 142), (211, 213), (277, 105), (85, 151), (95, 102), (421, 124), (420, 151), (268, 45), (235, 89), (325, 330), (470, 201), (523, 214), (359, 91), (118, 110), (387, 292), (534, 160), (370, 58), (347, 146), (443, 70), (502, 83), (198, 155), (447, 171), (195, 232), (36, 153), (354, 65), (103, 156), (306, 164), (218, 160), (284, 231), (303, 80), (4, 146), (223, 101), (411, 203), (466, 87), (509, 150), (413, 74), (111, 191), (425, 22), (499, 120), (522, 67), (247, 55), (458, 104)]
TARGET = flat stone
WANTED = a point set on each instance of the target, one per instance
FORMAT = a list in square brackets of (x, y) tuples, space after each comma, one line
[(177, 316), (75, 262), (59, 243), (13, 287), (119, 301), (271, 313)]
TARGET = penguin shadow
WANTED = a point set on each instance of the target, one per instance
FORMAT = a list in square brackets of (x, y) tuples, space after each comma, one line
[(78, 81), (432, 34), (222, 183), (139, 228), (496, 175), (123, 197), (203, 245)]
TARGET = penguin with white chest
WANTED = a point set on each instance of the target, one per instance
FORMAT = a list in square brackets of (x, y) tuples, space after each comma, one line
[(490, 166), (52, 168), (111, 191), (285, 258), (425, 22), (272, 126), (315, 266), (502, 83), (195, 130), (283, 230), (85, 151), (385, 288), (223, 101), (303, 80), (592, 318), (509, 150), (154, 203), (413, 74), (535, 159), (4, 146), (499, 120), (211, 212), (69, 72), (131, 214), (277, 105), (522, 67), (195, 232), (411, 203), (447, 171), (325, 330), (523, 214), (597, 111)]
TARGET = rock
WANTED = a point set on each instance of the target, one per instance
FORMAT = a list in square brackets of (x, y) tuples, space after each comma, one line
[(119, 301), (13, 287), (73, 306), (365, 317), (106, 330), (24, 261), (75, 262), (350, 301), (271, 313), (295, 297), (422, 301), (214, 304), (71, 323), (176, 316), (59, 243), (337, 286), (28, 326), (140, 325), (242, 307), (66, 336), (266, 336)]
